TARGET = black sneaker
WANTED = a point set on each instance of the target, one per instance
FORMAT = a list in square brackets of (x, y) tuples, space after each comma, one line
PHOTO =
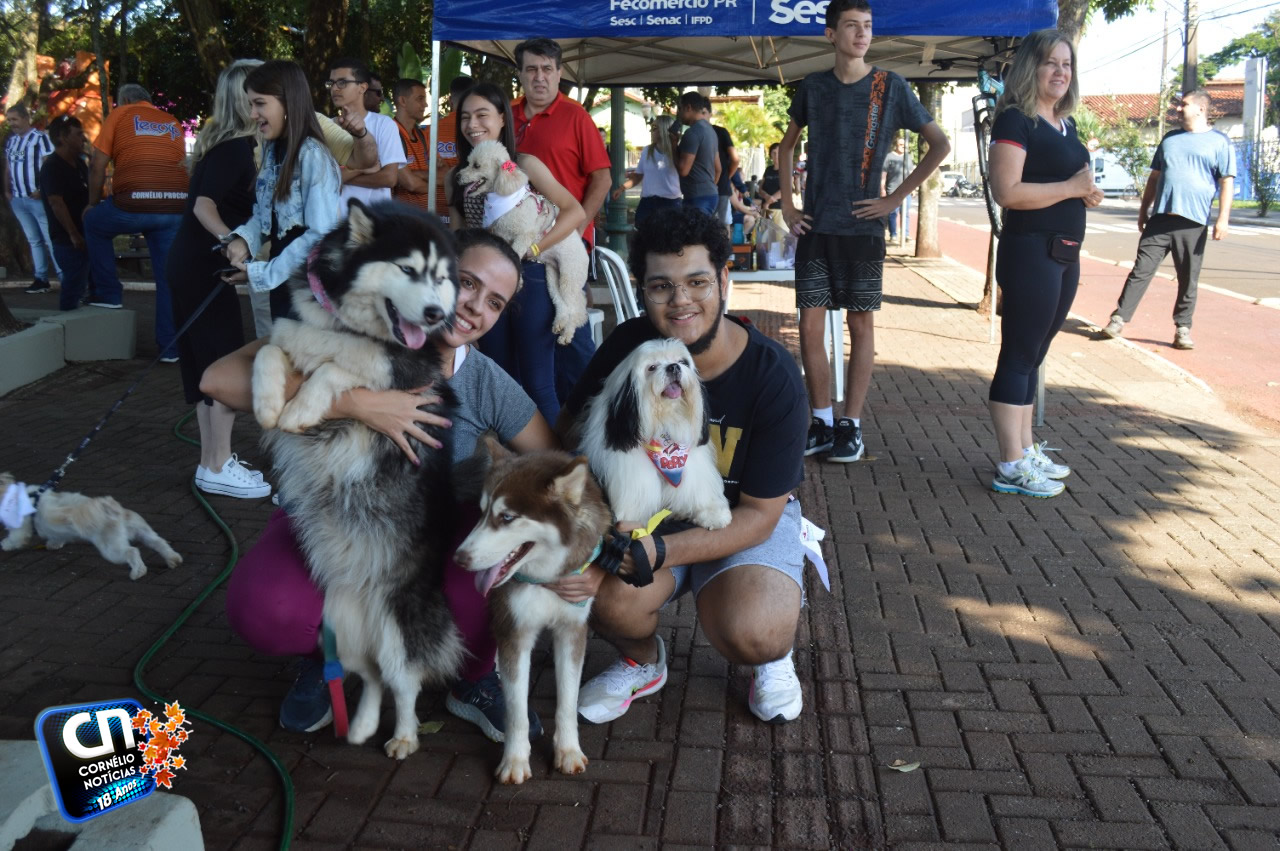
[(847, 445), (820, 435), (306, 707), (482, 704), (37, 287)]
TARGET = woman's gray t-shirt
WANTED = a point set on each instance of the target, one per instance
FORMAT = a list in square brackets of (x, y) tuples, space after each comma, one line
[(488, 399)]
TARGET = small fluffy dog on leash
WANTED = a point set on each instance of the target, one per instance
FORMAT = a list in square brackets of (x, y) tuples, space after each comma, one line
[(543, 517), (646, 437), (61, 518), (522, 217)]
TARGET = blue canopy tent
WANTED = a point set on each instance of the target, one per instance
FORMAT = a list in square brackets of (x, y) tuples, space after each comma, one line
[(619, 43)]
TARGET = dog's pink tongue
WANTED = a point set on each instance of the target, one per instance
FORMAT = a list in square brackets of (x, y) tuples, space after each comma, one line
[(414, 335), (484, 581), (673, 391)]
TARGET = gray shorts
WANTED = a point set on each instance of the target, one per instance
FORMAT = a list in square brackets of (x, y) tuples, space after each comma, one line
[(781, 551)]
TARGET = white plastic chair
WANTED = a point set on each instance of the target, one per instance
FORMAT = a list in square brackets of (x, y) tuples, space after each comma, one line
[(614, 271)]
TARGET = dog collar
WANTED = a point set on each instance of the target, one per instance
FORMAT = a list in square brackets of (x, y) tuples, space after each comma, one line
[(595, 553), (317, 288)]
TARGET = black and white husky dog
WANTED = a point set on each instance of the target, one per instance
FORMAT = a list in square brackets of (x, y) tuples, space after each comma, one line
[(375, 527)]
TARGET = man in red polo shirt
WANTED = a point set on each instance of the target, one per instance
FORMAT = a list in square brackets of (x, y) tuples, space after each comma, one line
[(558, 131)]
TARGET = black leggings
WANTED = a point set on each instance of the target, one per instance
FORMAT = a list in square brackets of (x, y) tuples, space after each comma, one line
[(1038, 292)]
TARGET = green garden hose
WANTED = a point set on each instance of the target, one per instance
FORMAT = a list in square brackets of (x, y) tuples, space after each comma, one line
[(286, 826)]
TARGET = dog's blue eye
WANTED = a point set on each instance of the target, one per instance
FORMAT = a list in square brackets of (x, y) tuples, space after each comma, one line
[(409, 270), (506, 517)]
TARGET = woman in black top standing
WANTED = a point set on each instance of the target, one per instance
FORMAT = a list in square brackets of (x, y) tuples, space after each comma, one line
[(1041, 175), (220, 198)]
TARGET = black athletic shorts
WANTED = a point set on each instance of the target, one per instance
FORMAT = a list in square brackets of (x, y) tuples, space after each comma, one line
[(839, 271)]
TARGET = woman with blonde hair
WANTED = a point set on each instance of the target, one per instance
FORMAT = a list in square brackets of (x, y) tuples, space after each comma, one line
[(220, 198), (1041, 175), (662, 189)]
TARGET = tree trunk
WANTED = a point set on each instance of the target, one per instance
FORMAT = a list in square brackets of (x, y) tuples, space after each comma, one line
[(326, 31), (927, 216), (122, 73), (24, 66), (95, 35), (202, 18), (9, 323), (1072, 15)]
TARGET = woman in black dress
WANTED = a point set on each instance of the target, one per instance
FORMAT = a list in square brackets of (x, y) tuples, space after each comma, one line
[(220, 198)]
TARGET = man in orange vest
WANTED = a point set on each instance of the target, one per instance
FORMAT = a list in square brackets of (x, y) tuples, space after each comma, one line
[(412, 186)]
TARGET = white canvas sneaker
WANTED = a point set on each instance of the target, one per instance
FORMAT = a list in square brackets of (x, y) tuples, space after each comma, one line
[(234, 479)]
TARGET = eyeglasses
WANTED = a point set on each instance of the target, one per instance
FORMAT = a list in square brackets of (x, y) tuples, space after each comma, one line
[(340, 83), (699, 289)]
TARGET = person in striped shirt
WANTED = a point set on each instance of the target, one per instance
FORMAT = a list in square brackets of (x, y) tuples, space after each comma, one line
[(24, 151)]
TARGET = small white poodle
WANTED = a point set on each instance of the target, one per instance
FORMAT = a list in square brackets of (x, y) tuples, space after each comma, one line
[(61, 518), (522, 217)]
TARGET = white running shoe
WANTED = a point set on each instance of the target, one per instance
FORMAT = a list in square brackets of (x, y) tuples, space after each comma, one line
[(608, 694), (775, 696), (234, 479), (1044, 463), (1027, 480)]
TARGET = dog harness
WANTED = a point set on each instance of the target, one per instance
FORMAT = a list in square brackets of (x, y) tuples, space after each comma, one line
[(621, 543), (496, 206), (594, 554)]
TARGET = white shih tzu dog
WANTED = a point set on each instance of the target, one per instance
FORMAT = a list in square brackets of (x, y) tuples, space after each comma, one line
[(513, 211), (646, 438), (61, 518)]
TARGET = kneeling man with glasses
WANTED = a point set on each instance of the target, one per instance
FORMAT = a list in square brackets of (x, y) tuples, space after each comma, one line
[(746, 578)]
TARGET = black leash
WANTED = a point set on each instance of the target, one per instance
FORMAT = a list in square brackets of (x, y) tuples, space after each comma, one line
[(54, 480)]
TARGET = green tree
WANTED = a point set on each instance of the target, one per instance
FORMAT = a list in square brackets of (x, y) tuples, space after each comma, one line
[(1263, 41), (1123, 137), (748, 124)]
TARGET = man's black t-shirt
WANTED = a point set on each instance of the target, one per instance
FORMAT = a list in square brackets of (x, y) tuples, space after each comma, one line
[(757, 407), (1054, 154), (71, 183), (723, 143)]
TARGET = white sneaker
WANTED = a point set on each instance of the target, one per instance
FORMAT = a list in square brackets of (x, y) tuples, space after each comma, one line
[(775, 696), (1044, 463), (608, 694), (234, 479), (1027, 480)]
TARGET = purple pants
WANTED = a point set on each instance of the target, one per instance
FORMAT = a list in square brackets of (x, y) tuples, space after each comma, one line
[(275, 607)]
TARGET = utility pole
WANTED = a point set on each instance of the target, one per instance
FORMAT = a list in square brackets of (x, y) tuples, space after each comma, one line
[(1161, 107), (1189, 56)]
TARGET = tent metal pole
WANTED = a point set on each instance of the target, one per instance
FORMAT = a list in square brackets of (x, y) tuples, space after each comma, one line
[(617, 220), (434, 140)]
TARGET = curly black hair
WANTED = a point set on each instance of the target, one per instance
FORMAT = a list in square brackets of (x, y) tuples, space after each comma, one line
[(670, 232)]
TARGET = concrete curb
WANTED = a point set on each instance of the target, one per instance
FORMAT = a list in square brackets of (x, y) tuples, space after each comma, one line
[(162, 821)]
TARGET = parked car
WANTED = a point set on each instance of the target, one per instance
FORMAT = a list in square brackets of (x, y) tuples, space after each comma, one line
[(1110, 176), (949, 179)]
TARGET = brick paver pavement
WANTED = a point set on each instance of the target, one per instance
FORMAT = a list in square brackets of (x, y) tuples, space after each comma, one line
[(1097, 670)]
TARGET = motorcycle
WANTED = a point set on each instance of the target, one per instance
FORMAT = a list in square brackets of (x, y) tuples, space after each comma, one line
[(965, 189)]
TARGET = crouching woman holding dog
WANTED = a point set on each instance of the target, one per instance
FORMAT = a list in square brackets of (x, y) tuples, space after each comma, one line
[(272, 602), (522, 342)]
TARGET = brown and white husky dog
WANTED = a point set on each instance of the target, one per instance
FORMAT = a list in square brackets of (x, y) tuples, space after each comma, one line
[(542, 517)]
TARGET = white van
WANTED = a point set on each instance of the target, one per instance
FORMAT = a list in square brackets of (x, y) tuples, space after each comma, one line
[(1110, 176)]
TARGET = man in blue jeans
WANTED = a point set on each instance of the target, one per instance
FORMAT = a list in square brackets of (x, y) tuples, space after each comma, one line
[(24, 151), (698, 156), (149, 192)]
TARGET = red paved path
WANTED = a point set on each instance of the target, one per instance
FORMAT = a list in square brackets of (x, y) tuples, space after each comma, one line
[(1237, 343)]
